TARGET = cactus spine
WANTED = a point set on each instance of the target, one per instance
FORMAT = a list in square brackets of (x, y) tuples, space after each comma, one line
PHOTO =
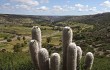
[(36, 34), (79, 56), (33, 47), (55, 61), (67, 39), (43, 59), (88, 61), (71, 57)]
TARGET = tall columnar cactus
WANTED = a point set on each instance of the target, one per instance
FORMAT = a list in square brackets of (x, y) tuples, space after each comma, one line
[(88, 61), (33, 47), (71, 53), (55, 61), (72, 57), (79, 56), (43, 59), (36, 34), (67, 39)]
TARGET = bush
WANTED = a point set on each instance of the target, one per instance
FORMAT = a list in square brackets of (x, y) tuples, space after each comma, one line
[(49, 39), (9, 40), (24, 38), (19, 38), (79, 37), (17, 47), (5, 37)]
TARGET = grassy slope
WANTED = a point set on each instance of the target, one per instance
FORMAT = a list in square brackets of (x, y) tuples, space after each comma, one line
[(22, 61), (96, 30)]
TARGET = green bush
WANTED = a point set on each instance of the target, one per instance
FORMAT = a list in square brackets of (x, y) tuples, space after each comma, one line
[(9, 40), (17, 47)]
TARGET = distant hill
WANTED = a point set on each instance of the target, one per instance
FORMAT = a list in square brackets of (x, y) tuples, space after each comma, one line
[(16, 19), (93, 19), (97, 19)]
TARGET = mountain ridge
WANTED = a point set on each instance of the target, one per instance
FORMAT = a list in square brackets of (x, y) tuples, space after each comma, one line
[(90, 19)]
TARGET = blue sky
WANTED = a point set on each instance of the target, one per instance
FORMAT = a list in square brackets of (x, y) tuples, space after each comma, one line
[(54, 7)]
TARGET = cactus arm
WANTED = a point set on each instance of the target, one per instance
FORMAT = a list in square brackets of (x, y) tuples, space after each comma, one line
[(72, 57)]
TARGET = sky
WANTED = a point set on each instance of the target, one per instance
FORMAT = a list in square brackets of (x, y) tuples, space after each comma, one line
[(54, 7)]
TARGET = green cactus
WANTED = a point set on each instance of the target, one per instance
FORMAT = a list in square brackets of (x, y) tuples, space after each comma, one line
[(36, 34), (43, 59), (33, 47), (72, 57), (55, 61), (67, 39)]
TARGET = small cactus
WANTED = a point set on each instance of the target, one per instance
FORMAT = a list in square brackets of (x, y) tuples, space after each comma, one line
[(43, 59), (55, 61), (79, 56), (72, 57), (67, 39), (33, 47), (88, 61), (36, 34)]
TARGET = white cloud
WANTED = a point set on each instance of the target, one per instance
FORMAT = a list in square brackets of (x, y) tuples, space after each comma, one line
[(68, 8), (6, 6), (27, 2), (25, 7), (81, 7), (57, 8), (93, 9), (43, 8), (85, 8), (106, 3)]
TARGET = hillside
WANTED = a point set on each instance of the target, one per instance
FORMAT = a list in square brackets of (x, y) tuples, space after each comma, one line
[(90, 32), (89, 19)]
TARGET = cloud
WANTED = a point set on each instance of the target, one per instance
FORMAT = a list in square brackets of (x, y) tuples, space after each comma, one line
[(24, 7), (57, 8), (93, 9), (43, 8), (6, 6), (106, 3), (85, 8), (81, 7), (44, 1), (27, 2), (69, 8)]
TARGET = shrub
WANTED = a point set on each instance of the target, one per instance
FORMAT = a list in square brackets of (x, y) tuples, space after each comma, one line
[(17, 47), (9, 40)]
